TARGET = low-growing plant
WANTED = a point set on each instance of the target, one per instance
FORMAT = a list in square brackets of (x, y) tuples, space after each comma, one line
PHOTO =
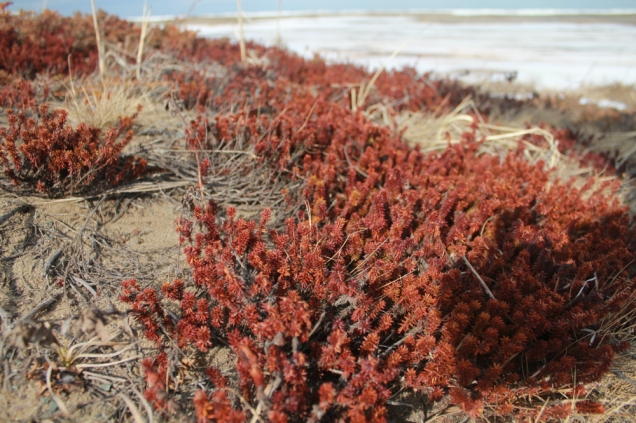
[(18, 94), (48, 155), (457, 275)]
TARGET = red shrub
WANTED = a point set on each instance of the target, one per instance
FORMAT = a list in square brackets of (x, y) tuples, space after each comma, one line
[(31, 44), (371, 284), (193, 88), (55, 158), (18, 94)]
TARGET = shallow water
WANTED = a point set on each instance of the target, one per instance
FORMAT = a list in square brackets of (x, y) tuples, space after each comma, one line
[(555, 55)]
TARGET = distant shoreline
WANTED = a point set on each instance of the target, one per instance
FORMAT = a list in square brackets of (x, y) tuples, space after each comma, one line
[(626, 17)]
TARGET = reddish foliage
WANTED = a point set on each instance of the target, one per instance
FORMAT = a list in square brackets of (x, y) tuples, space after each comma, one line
[(590, 407), (55, 158), (156, 384), (193, 88), (216, 407), (48, 42), (470, 406), (19, 94), (371, 284)]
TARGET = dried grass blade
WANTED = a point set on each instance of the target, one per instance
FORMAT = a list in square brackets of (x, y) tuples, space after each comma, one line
[(57, 399), (133, 408), (114, 363)]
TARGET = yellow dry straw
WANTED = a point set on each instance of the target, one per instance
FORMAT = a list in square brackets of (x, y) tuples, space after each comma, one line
[(145, 23)]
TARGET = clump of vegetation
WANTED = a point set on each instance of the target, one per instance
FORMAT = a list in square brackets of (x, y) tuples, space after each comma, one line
[(452, 274), (51, 156)]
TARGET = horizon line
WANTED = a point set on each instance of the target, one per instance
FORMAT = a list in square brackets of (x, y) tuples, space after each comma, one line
[(460, 12)]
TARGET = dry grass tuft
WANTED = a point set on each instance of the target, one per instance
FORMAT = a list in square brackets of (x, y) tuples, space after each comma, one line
[(624, 143), (435, 132), (100, 102), (616, 391)]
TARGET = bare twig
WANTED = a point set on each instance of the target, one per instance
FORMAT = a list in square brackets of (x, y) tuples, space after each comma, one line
[(22, 208), (317, 325), (146, 404), (51, 260), (625, 377), (122, 211), (308, 116), (5, 315), (35, 310), (104, 377), (114, 363), (191, 9), (131, 189), (481, 281), (237, 152), (88, 218), (401, 404), (255, 414), (279, 40), (364, 91), (351, 164), (85, 285)]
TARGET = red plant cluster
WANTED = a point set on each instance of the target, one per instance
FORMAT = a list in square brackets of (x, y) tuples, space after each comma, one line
[(193, 89), (19, 94), (267, 89), (54, 158), (31, 43), (284, 76), (453, 273)]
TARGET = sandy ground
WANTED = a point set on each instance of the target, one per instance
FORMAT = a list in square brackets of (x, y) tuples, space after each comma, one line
[(123, 238)]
